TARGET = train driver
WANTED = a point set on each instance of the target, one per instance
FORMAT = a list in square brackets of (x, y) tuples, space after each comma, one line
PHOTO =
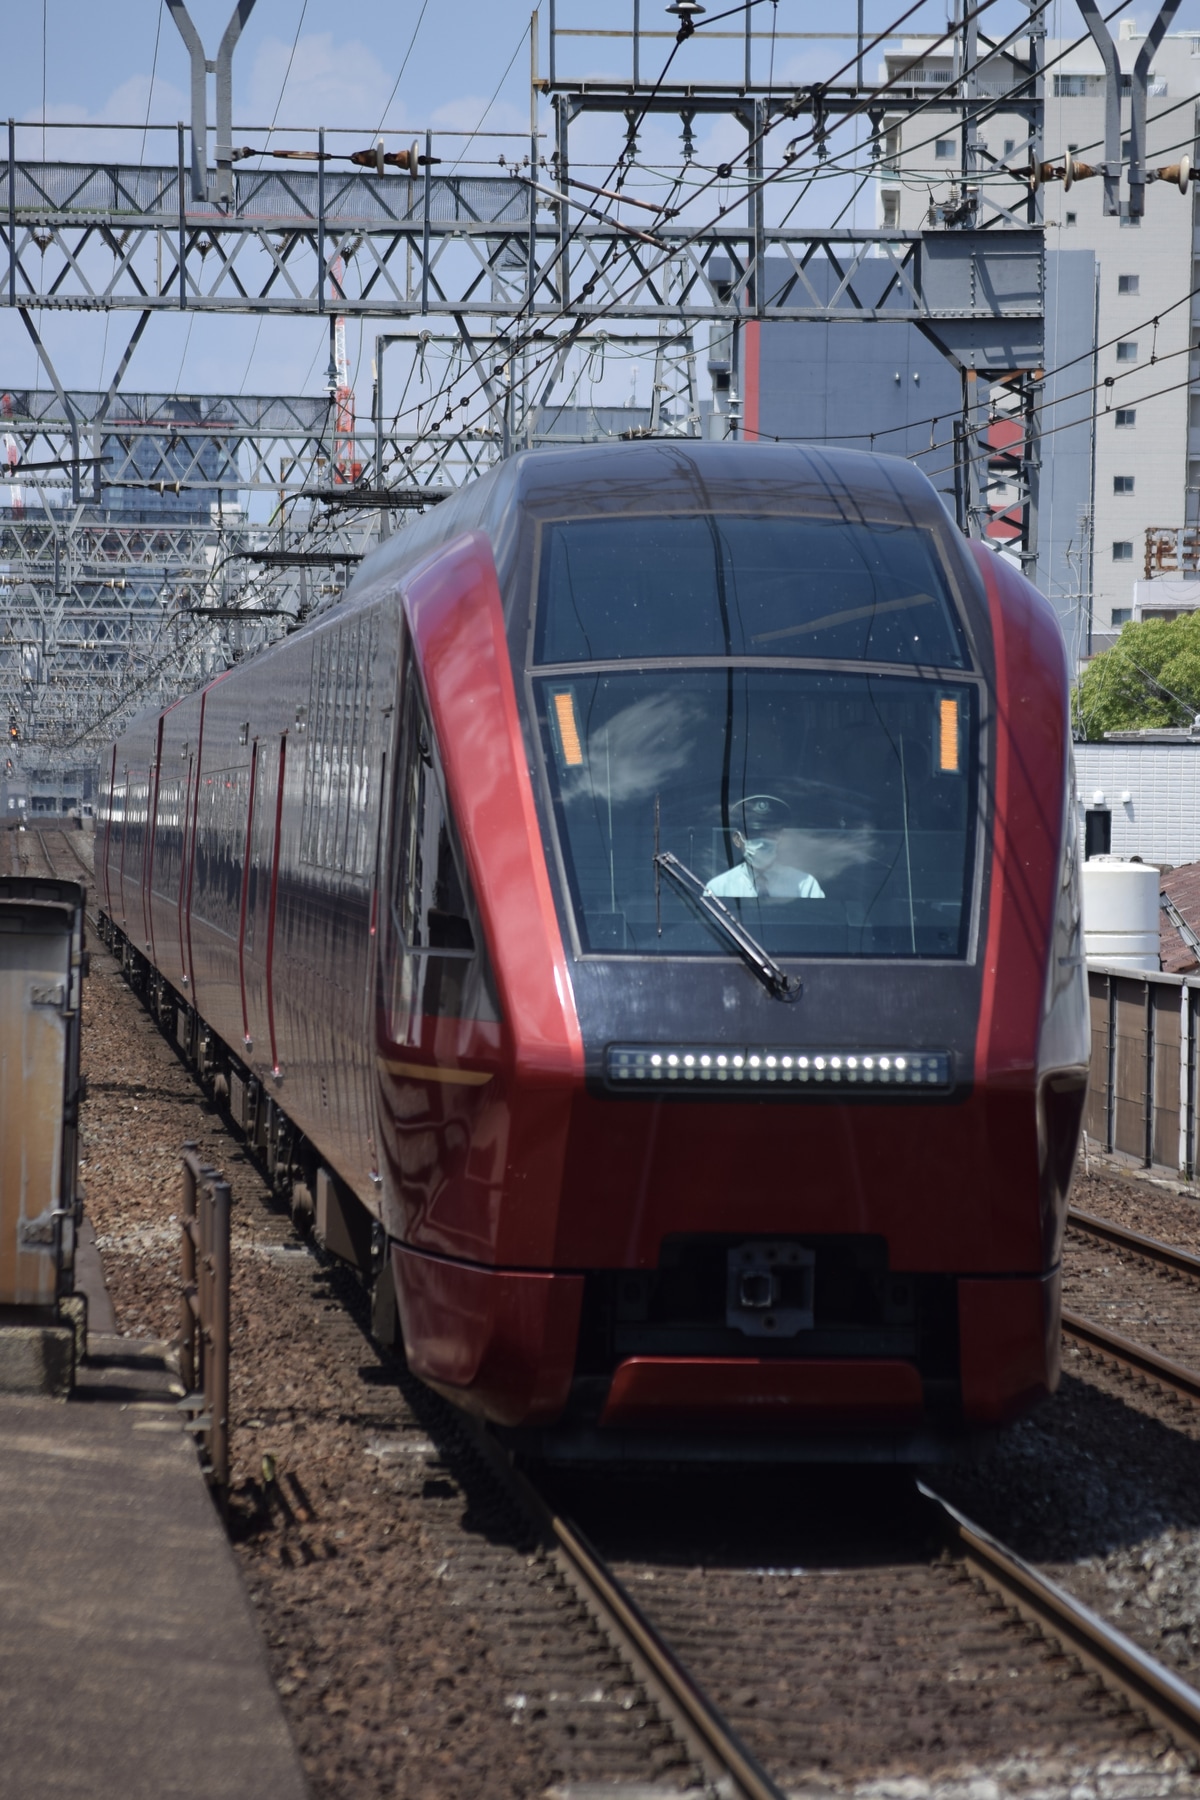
[(769, 848)]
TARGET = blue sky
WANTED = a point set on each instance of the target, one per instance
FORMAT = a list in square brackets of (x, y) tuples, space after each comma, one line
[(456, 66)]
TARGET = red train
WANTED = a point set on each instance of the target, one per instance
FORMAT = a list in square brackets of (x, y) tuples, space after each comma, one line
[(642, 919)]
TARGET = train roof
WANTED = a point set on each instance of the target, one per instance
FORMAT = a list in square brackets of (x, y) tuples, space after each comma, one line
[(662, 474)]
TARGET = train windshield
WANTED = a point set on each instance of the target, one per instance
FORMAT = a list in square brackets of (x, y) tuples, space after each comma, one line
[(831, 813), (838, 589)]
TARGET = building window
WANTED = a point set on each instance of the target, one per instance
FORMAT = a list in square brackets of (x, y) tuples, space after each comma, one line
[(891, 208), (1122, 550), (1122, 484), (1097, 832), (945, 148), (1128, 351), (1072, 218), (1127, 284), (1076, 87), (1121, 615), (1010, 145), (1126, 415)]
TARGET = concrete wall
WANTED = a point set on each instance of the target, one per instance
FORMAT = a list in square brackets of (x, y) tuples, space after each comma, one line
[(1157, 252), (840, 383), (1161, 819), (1065, 492)]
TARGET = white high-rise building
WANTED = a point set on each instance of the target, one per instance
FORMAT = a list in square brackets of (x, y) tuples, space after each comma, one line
[(1146, 448)]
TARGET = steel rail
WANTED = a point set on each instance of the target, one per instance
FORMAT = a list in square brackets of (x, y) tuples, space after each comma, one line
[(1173, 1375), (1139, 1357), (1123, 1666), (1182, 1261), (1139, 1677), (68, 838), (707, 1734), (51, 866), (43, 852)]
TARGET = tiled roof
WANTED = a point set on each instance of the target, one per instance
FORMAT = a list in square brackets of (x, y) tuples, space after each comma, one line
[(1182, 888)]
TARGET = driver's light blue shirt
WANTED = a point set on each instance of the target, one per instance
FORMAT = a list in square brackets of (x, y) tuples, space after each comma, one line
[(785, 884)]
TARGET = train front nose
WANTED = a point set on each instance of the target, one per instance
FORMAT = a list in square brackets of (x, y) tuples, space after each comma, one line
[(762, 1151)]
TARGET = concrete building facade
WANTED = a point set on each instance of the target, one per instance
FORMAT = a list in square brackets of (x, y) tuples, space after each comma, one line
[(1147, 791), (1145, 472)]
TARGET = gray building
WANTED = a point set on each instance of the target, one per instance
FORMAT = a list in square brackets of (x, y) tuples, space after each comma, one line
[(1143, 793), (886, 387)]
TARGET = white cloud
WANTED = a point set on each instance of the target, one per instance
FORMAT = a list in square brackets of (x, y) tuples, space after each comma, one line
[(330, 83), (127, 104), (468, 114)]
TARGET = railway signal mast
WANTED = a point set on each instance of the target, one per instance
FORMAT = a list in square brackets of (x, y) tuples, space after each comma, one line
[(347, 465)]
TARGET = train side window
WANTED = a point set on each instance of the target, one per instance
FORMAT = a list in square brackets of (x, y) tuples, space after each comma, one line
[(336, 832), (436, 964), (429, 903)]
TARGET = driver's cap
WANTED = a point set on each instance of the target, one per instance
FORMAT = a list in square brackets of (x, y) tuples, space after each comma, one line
[(762, 813)]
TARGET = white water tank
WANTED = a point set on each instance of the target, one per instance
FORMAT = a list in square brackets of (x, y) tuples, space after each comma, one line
[(1120, 912)]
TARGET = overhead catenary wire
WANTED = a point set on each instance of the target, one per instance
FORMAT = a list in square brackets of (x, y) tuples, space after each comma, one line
[(613, 170), (610, 305), (403, 65), (1068, 425), (1000, 102), (1056, 369), (495, 96), (279, 102), (518, 345), (153, 73), (676, 249)]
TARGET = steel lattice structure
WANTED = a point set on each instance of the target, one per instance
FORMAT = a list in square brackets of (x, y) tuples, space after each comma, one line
[(100, 616), (502, 276), (157, 577), (75, 237)]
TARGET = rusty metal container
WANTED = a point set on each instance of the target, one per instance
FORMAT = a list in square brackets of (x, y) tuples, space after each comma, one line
[(41, 969)]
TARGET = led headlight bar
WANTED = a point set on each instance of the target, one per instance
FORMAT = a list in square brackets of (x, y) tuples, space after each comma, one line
[(723, 1065)]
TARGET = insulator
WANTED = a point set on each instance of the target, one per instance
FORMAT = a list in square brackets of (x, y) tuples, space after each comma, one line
[(1180, 173)]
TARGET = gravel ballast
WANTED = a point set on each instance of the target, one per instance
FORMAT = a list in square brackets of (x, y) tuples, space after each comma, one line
[(420, 1642)]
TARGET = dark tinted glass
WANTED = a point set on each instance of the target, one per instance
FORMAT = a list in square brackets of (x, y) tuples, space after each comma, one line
[(833, 813), (428, 903), (629, 588)]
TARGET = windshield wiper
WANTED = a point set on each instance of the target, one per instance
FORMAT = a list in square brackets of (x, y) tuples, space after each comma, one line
[(773, 978)]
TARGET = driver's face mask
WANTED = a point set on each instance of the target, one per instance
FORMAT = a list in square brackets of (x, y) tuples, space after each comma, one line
[(759, 850)]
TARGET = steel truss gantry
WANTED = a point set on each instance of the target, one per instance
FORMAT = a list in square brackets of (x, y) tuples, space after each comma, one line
[(75, 237), (103, 595), (504, 276), (100, 615)]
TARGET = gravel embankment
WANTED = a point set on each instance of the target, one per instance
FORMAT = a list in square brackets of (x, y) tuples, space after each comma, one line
[(1103, 1483), (422, 1648), (420, 1645)]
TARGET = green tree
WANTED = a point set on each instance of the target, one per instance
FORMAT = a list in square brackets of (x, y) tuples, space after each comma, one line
[(1150, 677)]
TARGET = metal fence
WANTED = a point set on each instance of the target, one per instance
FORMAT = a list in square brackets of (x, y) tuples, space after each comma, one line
[(204, 1345), (1142, 1094)]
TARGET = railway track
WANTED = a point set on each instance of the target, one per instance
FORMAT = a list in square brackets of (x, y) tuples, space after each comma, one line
[(994, 1585), (1182, 1330), (46, 850), (710, 1663)]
